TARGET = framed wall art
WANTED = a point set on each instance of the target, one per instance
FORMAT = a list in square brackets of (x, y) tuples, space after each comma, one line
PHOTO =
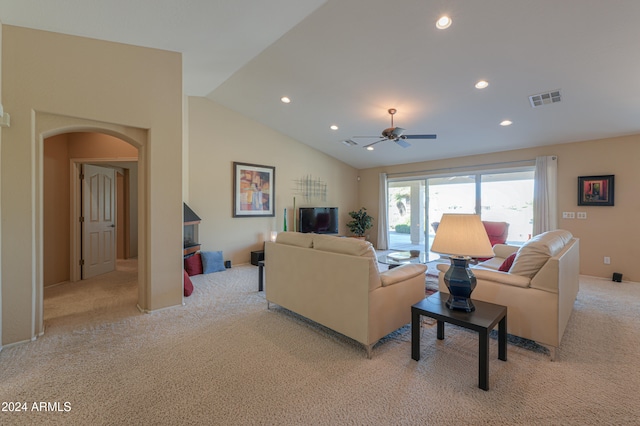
[(253, 190), (595, 190)]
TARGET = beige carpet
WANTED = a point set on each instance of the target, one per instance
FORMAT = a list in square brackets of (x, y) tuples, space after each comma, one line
[(224, 359)]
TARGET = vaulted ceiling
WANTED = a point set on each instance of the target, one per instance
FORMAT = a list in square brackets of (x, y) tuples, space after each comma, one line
[(345, 63)]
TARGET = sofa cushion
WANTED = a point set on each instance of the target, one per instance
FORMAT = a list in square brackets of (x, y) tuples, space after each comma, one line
[(297, 239), (535, 252), (352, 247), (506, 265)]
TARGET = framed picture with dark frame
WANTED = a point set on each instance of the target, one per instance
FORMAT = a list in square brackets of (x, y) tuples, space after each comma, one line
[(595, 190), (254, 189)]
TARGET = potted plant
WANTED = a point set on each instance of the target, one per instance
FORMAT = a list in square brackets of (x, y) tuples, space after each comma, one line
[(360, 222)]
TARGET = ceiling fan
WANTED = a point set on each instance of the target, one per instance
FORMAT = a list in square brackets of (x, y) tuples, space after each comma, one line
[(392, 133)]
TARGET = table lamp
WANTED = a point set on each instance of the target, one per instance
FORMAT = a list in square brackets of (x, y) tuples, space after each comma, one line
[(462, 236)]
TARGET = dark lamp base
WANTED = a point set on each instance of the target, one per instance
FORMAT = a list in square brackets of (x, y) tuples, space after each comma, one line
[(460, 281), (460, 303)]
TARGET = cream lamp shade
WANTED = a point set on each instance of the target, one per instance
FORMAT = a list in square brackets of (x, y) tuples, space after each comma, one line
[(462, 235)]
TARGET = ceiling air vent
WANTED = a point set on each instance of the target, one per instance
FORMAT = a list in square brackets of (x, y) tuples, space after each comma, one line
[(349, 142), (545, 98)]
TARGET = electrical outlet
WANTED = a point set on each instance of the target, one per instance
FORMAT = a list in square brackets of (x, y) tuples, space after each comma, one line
[(582, 215), (607, 260)]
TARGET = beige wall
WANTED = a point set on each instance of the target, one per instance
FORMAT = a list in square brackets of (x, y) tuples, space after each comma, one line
[(1, 315), (54, 84), (607, 231), (58, 151), (217, 138), (56, 209)]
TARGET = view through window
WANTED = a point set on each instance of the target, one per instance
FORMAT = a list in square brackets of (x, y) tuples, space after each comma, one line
[(416, 205)]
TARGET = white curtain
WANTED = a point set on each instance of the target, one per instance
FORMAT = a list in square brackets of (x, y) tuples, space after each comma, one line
[(383, 220), (545, 203)]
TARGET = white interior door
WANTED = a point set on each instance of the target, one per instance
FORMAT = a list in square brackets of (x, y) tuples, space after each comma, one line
[(98, 223)]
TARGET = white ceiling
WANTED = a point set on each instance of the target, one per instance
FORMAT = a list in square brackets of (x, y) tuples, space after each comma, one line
[(347, 62)]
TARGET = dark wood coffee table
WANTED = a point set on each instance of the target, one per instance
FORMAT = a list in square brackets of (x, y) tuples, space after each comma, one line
[(483, 320)]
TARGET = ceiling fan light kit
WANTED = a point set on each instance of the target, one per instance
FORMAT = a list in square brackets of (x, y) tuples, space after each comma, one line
[(392, 133)]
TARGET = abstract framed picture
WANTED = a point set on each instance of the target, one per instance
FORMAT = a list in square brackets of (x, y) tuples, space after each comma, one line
[(253, 190), (595, 190)]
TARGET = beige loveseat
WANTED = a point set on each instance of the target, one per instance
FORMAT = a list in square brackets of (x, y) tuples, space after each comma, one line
[(335, 282), (539, 289)]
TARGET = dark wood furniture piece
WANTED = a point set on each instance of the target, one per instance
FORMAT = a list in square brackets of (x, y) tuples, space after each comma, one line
[(257, 256), (483, 320), (261, 275), (190, 235)]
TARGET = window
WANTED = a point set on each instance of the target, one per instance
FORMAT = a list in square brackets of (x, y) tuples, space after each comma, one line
[(508, 197), (416, 205)]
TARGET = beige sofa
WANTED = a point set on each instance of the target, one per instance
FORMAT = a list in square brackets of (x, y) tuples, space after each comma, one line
[(539, 290), (335, 282)]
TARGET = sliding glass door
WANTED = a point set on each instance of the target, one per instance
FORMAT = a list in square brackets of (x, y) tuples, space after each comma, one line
[(508, 197), (406, 214), (416, 205), (451, 194)]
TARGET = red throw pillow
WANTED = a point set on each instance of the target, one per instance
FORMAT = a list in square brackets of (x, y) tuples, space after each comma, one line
[(188, 285), (193, 265), (506, 265)]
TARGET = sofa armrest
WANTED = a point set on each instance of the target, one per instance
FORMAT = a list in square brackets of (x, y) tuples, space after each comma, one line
[(402, 273), (495, 276), (502, 277), (504, 250)]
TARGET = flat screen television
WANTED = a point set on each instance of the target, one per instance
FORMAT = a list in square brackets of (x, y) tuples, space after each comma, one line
[(319, 220)]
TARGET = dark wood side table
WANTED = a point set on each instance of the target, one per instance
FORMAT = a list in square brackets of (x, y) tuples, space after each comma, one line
[(260, 275), (257, 256), (483, 320)]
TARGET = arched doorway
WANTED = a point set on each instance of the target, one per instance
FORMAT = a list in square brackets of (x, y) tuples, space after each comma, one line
[(50, 125), (66, 156)]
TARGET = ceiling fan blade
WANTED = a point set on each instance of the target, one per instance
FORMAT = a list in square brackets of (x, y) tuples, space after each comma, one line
[(369, 137), (373, 143), (402, 143), (397, 132), (419, 136)]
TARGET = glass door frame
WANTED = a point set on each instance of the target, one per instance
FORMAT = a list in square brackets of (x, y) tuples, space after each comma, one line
[(423, 180)]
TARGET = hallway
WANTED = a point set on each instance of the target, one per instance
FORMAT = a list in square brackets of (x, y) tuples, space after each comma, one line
[(109, 295)]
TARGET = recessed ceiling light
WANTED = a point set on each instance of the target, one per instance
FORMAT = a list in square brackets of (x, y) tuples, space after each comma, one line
[(482, 84), (506, 123), (285, 99), (443, 23), (334, 127), (369, 148)]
